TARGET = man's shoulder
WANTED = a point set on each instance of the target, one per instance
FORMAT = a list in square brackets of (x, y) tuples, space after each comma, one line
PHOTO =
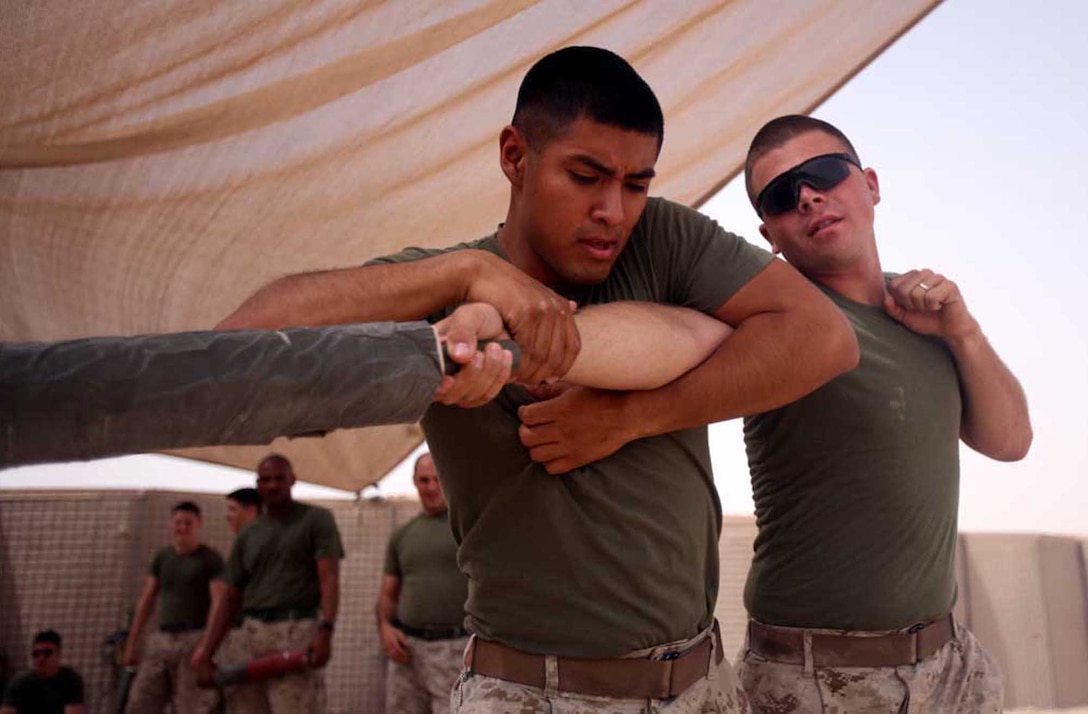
[(70, 674), (411, 524), (21, 681), (163, 555), (310, 511), (661, 212), (399, 532), (208, 553)]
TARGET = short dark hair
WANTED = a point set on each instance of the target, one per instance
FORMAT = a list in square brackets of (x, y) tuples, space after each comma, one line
[(187, 506), (277, 458), (585, 82), (778, 131), (50, 636), (245, 497)]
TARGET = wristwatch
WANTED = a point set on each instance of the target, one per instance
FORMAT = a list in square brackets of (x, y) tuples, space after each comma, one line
[(326, 625)]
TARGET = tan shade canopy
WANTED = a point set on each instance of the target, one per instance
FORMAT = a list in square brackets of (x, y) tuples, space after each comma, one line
[(161, 161)]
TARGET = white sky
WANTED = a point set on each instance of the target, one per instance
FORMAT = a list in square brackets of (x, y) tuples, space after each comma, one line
[(974, 122)]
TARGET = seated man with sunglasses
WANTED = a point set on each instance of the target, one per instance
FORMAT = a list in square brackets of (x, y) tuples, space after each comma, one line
[(49, 687), (856, 485)]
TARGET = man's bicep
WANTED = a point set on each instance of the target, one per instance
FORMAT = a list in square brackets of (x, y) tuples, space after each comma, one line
[(390, 589), (151, 587), (328, 567), (217, 588)]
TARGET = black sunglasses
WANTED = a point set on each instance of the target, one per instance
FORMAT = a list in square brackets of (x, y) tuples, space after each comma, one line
[(823, 172)]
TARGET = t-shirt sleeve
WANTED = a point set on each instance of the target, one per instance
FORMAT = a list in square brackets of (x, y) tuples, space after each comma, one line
[(157, 564), (235, 573), (392, 560), (705, 265), (326, 536), (409, 255), (73, 688), (213, 564)]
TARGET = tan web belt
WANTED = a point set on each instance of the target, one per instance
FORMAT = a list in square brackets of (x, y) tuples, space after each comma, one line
[(618, 678), (787, 645)]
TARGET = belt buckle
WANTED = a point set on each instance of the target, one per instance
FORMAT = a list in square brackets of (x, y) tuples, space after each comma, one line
[(916, 628)]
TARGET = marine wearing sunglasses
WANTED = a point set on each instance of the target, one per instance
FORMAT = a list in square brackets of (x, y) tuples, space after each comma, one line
[(821, 173)]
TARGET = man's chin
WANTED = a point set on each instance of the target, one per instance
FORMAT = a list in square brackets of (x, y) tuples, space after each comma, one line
[(593, 274)]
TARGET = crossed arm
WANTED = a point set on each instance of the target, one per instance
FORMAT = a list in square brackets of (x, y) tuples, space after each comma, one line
[(789, 337), (789, 340), (625, 345)]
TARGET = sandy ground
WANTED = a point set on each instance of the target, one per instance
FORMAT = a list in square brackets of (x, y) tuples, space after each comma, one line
[(1030, 710)]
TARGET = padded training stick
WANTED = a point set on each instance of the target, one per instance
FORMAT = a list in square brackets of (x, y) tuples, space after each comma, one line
[(104, 396)]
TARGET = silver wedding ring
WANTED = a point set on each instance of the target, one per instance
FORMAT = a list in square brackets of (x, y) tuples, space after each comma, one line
[(923, 286)]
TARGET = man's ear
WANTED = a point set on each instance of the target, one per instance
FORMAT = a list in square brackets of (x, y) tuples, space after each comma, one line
[(513, 153), (873, 183), (767, 237)]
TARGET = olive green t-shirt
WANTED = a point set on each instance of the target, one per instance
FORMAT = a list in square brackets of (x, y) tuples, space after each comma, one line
[(274, 560), (30, 694), (856, 488), (618, 555), (184, 599), (423, 554)]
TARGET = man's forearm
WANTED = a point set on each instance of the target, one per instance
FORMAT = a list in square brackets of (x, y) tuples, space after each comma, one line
[(636, 345), (385, 610), (402, 291), (219, 619), (772, 359), (995, 418), (140, 618), (330, 596)]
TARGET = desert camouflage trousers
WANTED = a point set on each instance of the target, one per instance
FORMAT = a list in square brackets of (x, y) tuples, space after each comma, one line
[(717, 693), (424, 684), (231, 652), (959, 677), (297, 692), (164, 676)]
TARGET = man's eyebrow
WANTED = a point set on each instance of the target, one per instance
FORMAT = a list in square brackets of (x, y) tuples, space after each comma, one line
[(592, 163)]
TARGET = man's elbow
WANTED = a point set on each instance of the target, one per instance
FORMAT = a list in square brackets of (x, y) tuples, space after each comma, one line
[(1014, 448), (262, 309), (1009, 445)]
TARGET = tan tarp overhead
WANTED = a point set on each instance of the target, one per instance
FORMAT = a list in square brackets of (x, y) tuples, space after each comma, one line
[(160, 161)]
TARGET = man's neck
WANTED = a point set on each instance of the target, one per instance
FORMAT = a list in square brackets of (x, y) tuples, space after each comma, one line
[(280, 511), (186, 547), (862, 283), (520, 254)]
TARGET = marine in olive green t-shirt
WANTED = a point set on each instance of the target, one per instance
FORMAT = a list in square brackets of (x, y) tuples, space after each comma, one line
[(30, 693), (423, 554), (618, 555), (274, 560), (184, 598), (856, 488)]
